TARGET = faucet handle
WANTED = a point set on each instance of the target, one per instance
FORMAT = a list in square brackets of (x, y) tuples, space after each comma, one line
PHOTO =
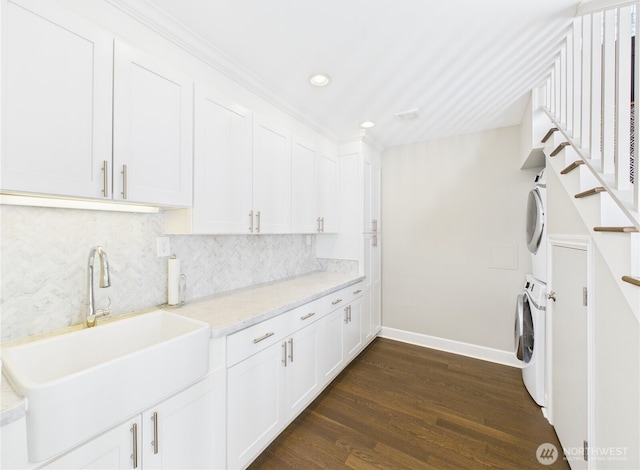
[(103, 312)]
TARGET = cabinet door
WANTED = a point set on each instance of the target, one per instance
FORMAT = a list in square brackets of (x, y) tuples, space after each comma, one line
[(353, 329), (255, 399), (302, 371), (303, 188), (152, 130), (331, 345), (327, 183), (181, 432), (57, 81), (569, 348), (222, 165), (113, 450), (271, 177)]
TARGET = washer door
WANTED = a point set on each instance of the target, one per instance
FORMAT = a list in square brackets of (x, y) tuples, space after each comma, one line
[(523, 335), (535, 220)]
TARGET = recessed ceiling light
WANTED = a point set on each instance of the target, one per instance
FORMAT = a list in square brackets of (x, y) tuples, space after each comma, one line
[(367, 124), (319, 79)]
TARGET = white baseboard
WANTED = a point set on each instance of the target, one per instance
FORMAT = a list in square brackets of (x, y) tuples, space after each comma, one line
[(507, 358)]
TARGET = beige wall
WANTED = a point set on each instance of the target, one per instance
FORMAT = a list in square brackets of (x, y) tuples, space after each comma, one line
[(454, 213)]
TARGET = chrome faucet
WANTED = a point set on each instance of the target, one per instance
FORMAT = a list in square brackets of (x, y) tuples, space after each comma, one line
[(92, 314)]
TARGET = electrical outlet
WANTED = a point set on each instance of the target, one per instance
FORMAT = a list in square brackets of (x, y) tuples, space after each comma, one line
[(163, 246)]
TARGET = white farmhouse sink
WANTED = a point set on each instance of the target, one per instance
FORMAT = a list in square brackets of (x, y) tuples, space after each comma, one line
[(81, 383)]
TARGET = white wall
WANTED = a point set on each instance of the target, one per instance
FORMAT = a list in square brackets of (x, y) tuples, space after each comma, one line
[(454, 213)]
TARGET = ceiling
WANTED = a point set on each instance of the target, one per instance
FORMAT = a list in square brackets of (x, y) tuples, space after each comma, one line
[(466, 64)]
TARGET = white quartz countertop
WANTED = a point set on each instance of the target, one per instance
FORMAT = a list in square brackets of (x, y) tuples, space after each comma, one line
[(226, 313), (236, 310)]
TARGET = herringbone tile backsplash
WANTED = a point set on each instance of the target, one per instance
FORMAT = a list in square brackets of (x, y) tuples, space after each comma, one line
[(44, 255)]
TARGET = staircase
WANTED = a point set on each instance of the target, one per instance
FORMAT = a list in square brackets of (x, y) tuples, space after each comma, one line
[(587, 101), (614, 232)]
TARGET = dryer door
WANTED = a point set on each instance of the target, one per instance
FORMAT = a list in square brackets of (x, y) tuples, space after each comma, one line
[(524, 329), (535, 220)]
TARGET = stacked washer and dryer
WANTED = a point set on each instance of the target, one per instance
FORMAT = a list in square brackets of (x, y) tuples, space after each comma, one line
[(530, 328)]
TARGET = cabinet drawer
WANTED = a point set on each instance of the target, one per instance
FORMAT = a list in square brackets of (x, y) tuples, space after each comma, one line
[(305, 315), (342, 297), (251, 340)]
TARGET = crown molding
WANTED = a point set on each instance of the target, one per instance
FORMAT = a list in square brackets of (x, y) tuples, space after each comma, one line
[(152, 17)]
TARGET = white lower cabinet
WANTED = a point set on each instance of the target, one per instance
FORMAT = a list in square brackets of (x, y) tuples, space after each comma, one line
[(302, 381), (268, 386), (331, 327), (179, 432), (353, 328), (255, 404), (114, 450)]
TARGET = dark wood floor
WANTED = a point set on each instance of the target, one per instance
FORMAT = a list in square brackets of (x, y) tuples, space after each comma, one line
[(404, 406)]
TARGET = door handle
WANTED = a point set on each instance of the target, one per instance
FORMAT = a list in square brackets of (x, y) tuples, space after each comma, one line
[(551, 296)]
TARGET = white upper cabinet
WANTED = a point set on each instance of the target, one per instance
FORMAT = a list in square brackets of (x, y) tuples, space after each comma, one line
[(57, 77), (222, 165), (305, 218), (152, 130), (271, 178), (327, 193), (314, 190)]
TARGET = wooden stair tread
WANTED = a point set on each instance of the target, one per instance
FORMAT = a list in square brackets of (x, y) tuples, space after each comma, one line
[(590, 192), (631, 280), (559, 148), (629, 229), (549, 134), (572, 167)]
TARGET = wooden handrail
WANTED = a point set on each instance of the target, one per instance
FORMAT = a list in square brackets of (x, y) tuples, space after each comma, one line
[(590, 192), (631, 280), (616, 229), (572, 167), (558, 149), (549, 134)]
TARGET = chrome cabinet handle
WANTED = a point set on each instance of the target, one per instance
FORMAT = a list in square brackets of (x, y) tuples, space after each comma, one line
[(321, 224), (290, 349), (263, 337), (308, 315), (318, 229), (124, 181), (258, 222), (346, 314), (349, 313), (154, 443), (357, 291), (336, 302), (134, 456), (251, 222), (105, 178), (284, 353)]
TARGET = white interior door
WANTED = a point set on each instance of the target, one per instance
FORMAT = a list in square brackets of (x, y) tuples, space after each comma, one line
[(569, 353)]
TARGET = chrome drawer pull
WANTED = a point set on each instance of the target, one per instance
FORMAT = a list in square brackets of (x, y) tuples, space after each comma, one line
[(308, 315), (154, 443), (263, 337), (125, 182), (336, 302), (105, 178), (357, 292), (134, 456), (290, 349)]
